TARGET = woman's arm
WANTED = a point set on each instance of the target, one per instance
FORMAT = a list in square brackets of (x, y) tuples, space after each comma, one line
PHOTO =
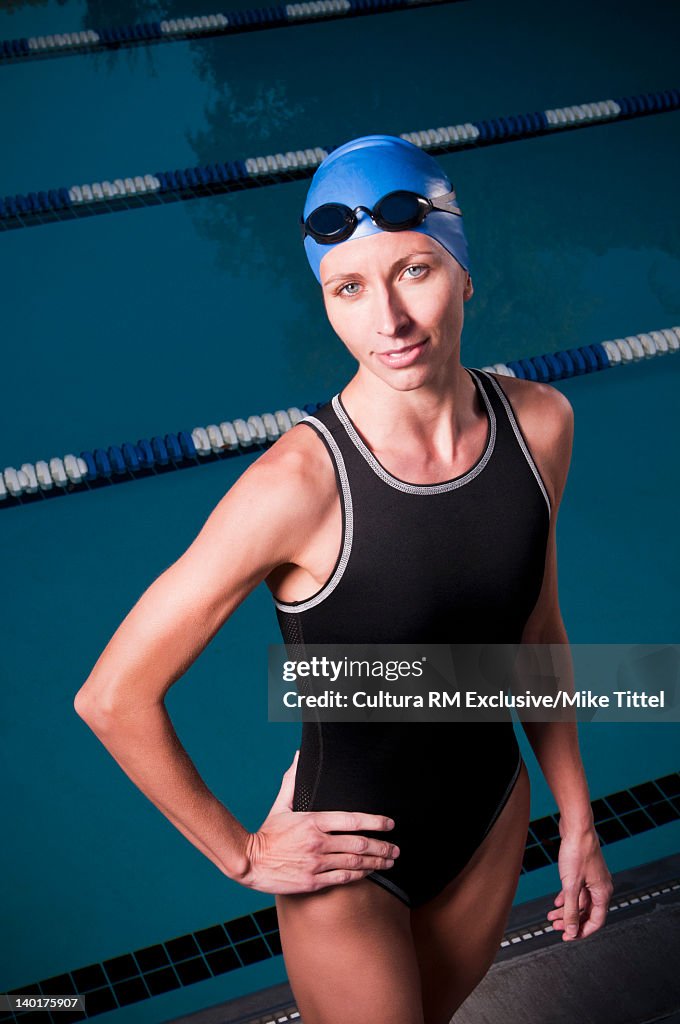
[(260, 523), (248, 532), (547, 420), (556, 743)]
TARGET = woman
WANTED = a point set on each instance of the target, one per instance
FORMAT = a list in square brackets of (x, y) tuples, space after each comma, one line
[(418, 506)]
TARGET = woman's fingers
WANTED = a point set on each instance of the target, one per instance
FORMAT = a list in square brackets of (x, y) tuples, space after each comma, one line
[(357, 852), (595, 919), (581, 905), (307, 850), (361, 845), (592, 913), (556, 915), (571, 912), (355, 862), (599, 896), (352, 821)]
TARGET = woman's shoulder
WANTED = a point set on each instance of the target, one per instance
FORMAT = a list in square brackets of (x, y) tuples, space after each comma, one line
[(297, 465), (546, 418), (543, 406)]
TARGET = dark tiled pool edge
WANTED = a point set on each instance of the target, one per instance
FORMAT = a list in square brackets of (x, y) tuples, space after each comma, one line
[(646, 889), (220, 948)]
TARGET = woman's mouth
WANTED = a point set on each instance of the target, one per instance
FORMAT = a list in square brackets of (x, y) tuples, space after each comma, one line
[(403, 356)]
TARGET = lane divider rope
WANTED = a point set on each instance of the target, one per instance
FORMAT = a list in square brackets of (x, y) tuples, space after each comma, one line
[(70, 473), (62, 44), (141, 190)]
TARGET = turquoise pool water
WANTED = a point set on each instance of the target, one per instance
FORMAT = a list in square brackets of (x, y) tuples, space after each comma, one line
[(123, 326)]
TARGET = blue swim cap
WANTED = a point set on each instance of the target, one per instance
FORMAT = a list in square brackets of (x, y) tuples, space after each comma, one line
[(362, 171)]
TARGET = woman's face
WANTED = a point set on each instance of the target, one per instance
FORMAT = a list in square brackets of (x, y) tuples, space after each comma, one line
[(396, 292)]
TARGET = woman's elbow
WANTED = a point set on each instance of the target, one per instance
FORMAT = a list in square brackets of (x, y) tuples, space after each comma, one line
[(550, 630), (96, 705)]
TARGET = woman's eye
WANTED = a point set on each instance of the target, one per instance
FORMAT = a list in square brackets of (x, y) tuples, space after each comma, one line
[(420, 268), (417, 266)]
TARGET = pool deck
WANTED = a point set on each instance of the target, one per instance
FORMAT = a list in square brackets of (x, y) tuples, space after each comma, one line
[(627, 973)]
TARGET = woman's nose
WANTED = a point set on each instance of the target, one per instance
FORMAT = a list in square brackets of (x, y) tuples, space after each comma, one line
[(390, 314)]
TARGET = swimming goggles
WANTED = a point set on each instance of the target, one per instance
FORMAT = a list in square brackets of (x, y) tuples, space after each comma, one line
[(397, 211)]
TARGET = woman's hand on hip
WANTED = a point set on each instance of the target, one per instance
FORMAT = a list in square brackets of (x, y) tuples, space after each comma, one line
[(294, 851), (582, 904)]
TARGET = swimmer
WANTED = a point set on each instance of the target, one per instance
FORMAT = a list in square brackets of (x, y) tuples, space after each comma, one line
[(418, 505)]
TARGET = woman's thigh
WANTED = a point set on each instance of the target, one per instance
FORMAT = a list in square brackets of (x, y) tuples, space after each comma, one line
[(457, 934), (349, 955)]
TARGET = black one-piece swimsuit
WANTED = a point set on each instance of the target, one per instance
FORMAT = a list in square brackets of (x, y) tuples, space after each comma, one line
[(460, 561)]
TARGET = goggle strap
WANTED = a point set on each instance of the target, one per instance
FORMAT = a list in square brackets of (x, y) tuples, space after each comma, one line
[(445, 203)]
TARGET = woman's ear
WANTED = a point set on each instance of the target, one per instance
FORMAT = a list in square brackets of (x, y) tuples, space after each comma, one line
[(468, 290)]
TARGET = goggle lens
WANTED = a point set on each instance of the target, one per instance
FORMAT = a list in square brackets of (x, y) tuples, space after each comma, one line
[(399, 209), (331, 221)]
